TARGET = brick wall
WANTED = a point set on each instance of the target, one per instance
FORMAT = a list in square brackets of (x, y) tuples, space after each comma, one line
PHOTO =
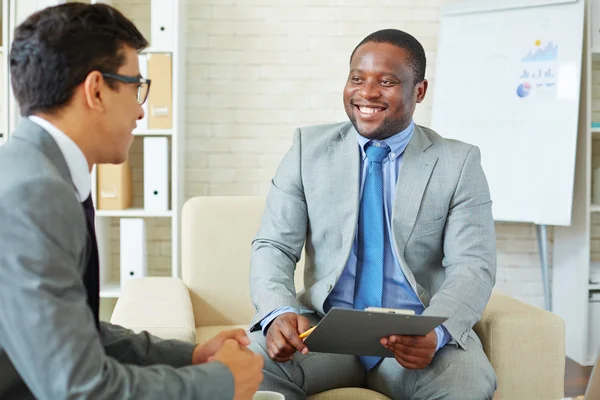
[(257, 69)]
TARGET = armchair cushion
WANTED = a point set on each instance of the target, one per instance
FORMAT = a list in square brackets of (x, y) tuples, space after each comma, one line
[(205, 333), (349, 394), (526, 346), (158, 305)]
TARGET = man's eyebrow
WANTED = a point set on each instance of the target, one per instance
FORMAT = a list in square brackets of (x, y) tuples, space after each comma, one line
[(391, 74)]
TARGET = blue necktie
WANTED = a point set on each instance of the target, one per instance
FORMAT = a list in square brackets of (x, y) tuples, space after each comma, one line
[(368, 291)]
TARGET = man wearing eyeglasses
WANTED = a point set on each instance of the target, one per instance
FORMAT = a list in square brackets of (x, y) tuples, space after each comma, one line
[(75, 74)]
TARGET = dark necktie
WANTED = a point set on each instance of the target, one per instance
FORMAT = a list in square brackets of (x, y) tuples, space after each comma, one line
[(91, 276)]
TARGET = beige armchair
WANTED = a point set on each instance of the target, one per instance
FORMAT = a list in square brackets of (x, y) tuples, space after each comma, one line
[(524, 344)]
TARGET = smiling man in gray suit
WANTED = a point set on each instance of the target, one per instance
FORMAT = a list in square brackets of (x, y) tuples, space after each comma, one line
[(75, 74), (391, 215)]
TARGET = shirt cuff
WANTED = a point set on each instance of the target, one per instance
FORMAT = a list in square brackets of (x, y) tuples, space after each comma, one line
[(443, 337), (266, 321)]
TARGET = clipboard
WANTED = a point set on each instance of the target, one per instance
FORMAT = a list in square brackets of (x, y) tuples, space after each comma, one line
[(349, 331)]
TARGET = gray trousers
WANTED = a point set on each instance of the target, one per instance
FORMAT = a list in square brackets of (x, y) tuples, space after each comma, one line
[(453, 374)]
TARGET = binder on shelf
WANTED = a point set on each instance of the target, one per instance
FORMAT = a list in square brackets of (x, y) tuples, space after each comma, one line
[(133, 249), (156, 173), (162, 24), (114, 191), (160, 98), (142, 125), (595, 26)]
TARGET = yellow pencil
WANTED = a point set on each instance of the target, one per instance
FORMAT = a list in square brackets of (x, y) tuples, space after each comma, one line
[(308, 332)]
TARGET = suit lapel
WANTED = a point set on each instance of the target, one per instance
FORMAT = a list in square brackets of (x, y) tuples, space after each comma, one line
[(413, 177), (31, 132), (343, 153)]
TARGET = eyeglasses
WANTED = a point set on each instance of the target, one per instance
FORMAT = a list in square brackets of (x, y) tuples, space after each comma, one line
[(143, 84)]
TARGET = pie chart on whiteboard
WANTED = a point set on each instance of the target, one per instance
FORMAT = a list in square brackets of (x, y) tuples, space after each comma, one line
[(523, 89)]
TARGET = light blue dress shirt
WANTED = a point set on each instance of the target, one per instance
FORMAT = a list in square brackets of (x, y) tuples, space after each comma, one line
[(397, 292)]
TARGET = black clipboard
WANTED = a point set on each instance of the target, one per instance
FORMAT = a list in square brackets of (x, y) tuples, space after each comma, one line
[(349, 331)]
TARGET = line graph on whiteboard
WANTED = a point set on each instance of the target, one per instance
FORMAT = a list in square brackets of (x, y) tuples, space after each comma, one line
[(538, 71)]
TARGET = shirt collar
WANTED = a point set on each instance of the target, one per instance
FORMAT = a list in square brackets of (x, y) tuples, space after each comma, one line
[(396, 143), (76, 161)]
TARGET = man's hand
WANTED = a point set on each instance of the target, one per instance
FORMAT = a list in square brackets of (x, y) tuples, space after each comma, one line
[(245, 366), (203, 352), (282, 337), (412, 352)]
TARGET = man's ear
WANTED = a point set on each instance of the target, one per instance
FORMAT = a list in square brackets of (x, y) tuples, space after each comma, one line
[(94, 87), (421, 90)]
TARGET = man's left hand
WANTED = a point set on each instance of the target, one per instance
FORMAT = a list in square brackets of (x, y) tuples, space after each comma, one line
[(412, 352), (203, 352)]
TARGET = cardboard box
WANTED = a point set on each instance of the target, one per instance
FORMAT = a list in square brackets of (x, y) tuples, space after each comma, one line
[(114, 186), (160, 98)]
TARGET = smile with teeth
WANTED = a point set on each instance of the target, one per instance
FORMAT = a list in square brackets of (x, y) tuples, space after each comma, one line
[(369, 110)]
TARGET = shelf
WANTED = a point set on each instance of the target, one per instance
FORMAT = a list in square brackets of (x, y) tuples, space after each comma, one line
[(594, 286), (134, 212), (151, 50), (110, 290), (595, 208), (161, 132)]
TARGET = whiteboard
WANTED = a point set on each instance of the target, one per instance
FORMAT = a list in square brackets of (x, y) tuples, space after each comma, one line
[(507, 80)]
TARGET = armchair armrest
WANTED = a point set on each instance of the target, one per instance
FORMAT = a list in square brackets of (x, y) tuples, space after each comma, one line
[(161, 306), (526, 346)]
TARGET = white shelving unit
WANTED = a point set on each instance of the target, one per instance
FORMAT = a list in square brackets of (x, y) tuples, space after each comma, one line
[(110, 290), (107, 220), (13, 13), (572, 245), (134, 213), (153, 132)]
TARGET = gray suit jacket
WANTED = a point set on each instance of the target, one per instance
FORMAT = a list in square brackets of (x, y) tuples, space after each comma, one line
[(49, 345), (442, 225)]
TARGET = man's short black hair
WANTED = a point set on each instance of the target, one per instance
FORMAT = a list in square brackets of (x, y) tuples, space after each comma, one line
[(56, 48), (416, 54)]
